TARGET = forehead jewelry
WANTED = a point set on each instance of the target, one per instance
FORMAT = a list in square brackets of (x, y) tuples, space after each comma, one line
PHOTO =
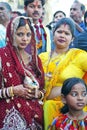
[(26, 26)]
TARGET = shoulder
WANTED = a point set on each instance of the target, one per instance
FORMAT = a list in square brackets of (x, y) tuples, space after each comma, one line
[(79, 54), (77, 50)]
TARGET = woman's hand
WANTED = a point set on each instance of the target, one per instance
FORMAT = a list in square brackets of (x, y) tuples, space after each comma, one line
[(22, 91), (26, 92)]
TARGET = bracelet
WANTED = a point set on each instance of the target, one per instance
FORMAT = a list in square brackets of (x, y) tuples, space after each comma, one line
[(11, 92), (4, 93), (8, 92), (0, 93), (42, 96)]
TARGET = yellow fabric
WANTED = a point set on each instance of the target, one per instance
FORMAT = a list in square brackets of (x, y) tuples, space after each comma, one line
[(71, 64)]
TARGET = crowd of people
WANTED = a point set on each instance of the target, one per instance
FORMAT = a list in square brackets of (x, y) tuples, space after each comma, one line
[(43, 69)]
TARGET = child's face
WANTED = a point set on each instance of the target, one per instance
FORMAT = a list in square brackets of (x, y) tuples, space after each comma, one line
[(77, 98)]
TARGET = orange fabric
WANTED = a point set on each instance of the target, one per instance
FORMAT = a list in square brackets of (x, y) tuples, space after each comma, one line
[(85, 77)]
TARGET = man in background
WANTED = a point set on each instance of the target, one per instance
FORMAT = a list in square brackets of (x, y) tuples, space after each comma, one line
[(34, 9), (5, 15), (77, 11)]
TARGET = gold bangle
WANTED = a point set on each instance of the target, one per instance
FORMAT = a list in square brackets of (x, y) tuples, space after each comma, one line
[(11, 91), (42, 96)]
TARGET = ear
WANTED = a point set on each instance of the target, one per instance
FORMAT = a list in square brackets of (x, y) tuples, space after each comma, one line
[(63, 98)]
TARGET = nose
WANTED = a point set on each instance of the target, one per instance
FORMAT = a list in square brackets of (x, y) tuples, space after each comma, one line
[(25, 37), (62, 34), (80, 97), (36, 8)]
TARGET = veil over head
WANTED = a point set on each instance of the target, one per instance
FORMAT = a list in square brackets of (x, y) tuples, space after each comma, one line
[(10, 41)]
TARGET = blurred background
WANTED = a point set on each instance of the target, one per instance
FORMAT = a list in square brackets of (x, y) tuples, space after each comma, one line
[(51, 6)]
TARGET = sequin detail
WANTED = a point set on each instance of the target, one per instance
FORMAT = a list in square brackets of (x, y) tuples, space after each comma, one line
[(13, 121)]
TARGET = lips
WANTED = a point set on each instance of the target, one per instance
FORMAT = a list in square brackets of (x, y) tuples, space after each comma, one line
[(80, 104), (61, 40), (23, 44), (36, 14)]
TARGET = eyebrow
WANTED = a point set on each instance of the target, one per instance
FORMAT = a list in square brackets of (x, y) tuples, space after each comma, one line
[(72, 8)]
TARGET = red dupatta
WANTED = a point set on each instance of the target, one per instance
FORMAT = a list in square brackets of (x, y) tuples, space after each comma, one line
[(9, 39)]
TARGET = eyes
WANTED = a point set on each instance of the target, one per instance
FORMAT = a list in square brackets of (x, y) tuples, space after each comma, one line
[(2, 8), (74, 94), (20, 34), (60, 32), (74, 9), (33, 6)]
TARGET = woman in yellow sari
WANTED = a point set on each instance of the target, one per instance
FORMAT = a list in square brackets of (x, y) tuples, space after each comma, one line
[(59, 65)]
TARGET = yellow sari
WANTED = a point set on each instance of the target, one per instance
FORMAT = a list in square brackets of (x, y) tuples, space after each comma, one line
[(70, 64)]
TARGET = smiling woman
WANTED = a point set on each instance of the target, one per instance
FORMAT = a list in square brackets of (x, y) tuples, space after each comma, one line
[(21, 79)]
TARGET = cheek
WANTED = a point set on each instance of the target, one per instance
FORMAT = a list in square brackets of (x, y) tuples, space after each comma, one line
[(17, 40), (70, 38), (29, 10), (29, 39), (70, 101), (55, 35)]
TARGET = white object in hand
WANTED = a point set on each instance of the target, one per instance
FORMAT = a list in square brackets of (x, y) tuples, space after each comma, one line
[(32, 84)]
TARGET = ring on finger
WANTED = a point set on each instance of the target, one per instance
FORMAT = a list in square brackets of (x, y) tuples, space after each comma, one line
[(29, 91)]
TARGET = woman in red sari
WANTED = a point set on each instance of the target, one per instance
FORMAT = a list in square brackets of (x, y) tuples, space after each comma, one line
[(21, 79)]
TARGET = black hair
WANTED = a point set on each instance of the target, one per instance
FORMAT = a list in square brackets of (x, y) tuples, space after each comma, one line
[(26, 2), (7, 6), (66, 21), (66, 88), (59, 11), (85, 16), (83, 7)]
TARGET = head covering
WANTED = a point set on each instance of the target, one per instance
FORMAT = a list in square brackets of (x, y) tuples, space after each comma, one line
[(11, 29)]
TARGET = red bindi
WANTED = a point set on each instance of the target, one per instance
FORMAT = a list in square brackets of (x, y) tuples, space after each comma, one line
[(36, 3)]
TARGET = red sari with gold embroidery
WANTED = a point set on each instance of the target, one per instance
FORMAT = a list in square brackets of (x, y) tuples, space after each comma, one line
[(18, 112)]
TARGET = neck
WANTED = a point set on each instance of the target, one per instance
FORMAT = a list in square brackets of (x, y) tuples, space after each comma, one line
[(21, 51), (35, 21), (76, 115), (60, 51)]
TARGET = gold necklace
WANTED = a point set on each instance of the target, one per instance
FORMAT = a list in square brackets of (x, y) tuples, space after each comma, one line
[(51, 65)]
